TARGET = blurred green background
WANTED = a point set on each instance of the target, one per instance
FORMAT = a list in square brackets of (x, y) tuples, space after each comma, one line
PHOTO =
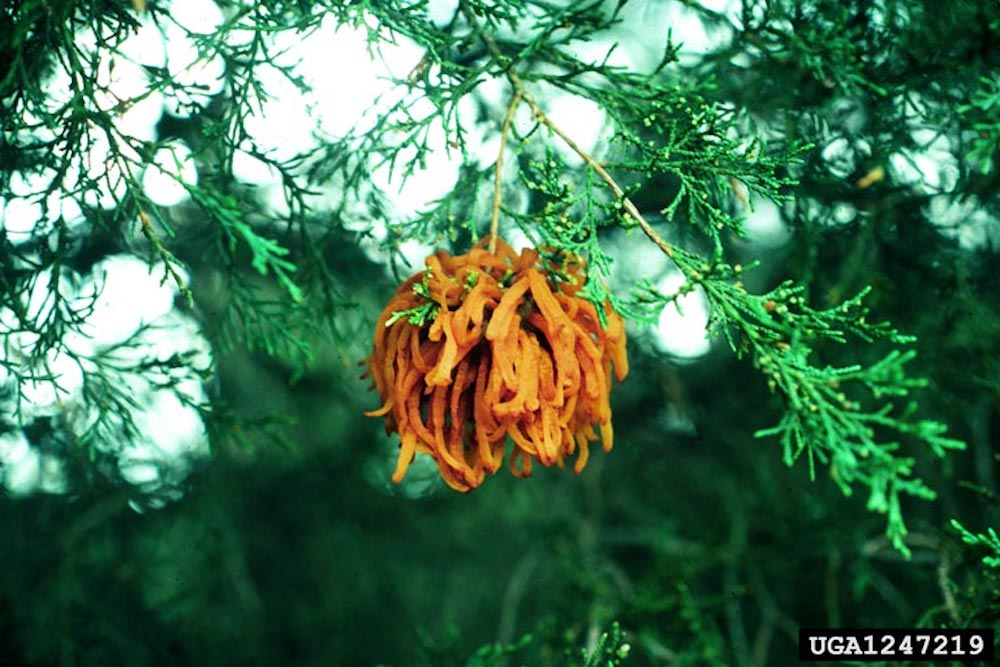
[(291, 547)]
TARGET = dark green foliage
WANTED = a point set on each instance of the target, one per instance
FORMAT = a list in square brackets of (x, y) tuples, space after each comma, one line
[(863, 350)]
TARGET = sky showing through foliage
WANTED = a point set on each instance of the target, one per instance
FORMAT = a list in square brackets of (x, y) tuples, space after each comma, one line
[(793, 205)]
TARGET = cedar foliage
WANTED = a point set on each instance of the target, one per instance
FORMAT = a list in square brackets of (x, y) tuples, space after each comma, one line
[(801, 474)]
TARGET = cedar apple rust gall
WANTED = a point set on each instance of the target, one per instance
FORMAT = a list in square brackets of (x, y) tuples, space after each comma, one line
[(486, 345)]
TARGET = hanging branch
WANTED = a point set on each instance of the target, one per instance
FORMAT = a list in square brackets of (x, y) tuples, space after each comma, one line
[(832, 414), (498, 177)]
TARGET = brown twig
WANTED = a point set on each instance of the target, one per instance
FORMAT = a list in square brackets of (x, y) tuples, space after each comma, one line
[(521, 91), (165, 255), (944, 584), (498, 177), (630, 207)]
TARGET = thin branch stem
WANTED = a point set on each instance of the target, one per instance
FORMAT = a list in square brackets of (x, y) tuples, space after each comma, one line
[(498, 177), (630, 207), (168, 258), (521, 91)]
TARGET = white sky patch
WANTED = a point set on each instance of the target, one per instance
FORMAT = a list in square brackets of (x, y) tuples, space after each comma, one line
[(251, 170), (25, 470), (139, 120), (603, 48), (36, 203), (108, 168), (145, 46), (646, 25), (172, 167), (59, 380), (429, 178), (197, 16), (47, 384), (170, 335), (122, 90), (174, 433), (17, 335), (635, 258), (166, 397), (372, 235), (581, 119), (414, 253), (351, 96), (171, 433), (517, 240), (441, 12), (843, 156), (764, 224), (345, 101), (197, 76), (118, 79), (195, 84), (642, 33), (965, 221), (278, 124), (682, 330), (843, 213), (930, 167), (18, 217), (123, 85), (130, 294), (730, 8), (529, 24), (681, 334), (849, 116), (350, 85)]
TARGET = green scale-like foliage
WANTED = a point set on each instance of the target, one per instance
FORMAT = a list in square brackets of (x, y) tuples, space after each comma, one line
[(692, 147)]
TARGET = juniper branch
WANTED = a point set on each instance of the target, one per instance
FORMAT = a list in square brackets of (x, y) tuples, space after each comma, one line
[(778, 328), (498, 177), (521, 92)]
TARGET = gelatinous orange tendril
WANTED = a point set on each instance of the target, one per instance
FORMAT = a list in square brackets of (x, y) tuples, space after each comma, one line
[(509, 352)]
